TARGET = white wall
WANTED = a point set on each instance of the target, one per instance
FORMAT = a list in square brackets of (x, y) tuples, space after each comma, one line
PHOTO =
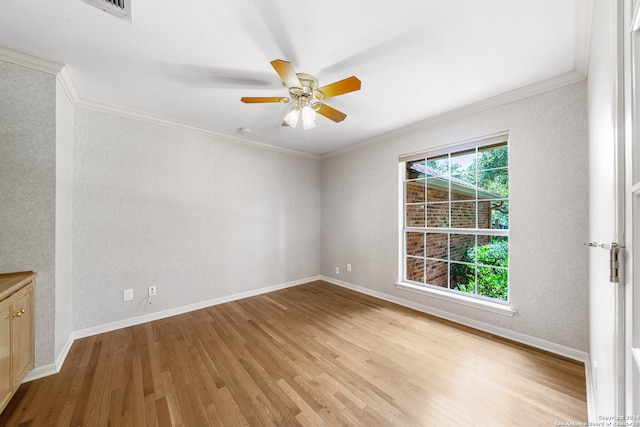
[(548, 204), (64, 215), (96, 203), (200, 218), (27, 188), (203, 218)]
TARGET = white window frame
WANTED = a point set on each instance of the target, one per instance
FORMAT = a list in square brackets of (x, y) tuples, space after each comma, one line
[(477, 301)]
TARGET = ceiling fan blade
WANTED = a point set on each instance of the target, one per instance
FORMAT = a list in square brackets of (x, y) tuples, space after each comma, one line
[(347, 85), (392, 51), (331, 113), (205, 76), (257, 100), (286, 73), (285, 124)]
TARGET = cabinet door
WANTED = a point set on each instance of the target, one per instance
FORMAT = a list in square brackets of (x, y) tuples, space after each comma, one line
[(5, 352), (22, 334)]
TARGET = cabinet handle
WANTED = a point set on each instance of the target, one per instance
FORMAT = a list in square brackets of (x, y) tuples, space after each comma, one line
[(18, 313)]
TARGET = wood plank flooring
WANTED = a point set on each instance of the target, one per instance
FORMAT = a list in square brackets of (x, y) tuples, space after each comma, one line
[(311, 355)]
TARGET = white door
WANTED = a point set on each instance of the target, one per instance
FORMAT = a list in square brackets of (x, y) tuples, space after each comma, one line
[(606, 378), (632, 92)]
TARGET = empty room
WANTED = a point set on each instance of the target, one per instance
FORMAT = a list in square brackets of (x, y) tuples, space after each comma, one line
[(261, 212)]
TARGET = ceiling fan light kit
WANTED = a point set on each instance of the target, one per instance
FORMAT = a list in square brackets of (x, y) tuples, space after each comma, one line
[(308, 98), (308, 118), (291, 119)]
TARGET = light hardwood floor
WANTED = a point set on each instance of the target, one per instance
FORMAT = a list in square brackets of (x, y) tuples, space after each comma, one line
[(314, 354)]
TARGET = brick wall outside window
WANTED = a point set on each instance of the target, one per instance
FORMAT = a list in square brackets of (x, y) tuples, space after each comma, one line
[(444, 216)]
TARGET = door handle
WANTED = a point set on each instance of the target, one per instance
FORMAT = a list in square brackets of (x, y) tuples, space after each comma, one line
[(595, 245)]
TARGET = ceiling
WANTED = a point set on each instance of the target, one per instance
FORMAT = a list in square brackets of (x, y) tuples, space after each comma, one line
[(192, 61)]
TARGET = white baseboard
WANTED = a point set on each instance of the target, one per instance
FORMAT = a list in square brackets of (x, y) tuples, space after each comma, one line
[(41, 372), (591, 392), (83, 333), (54, 368), (541, 344)]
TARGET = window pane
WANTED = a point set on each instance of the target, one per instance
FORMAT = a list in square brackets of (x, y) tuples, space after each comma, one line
[(436, 273), (415, 269), (493, 184), (492, 282), (494, 156), (415, 244), (438, 165), (493, 214), (462, 277), (415, 169), (493, 250), (463, 187), (437, 246), (438, 189), (463, 247), (446, 197), (415, 215), (483, 239), (463, 215), (463, 161), (415, 191), (437, 214), (500, 215)]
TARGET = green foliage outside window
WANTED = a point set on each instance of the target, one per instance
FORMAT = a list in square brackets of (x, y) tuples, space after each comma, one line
[(483, 269), (491, 282)]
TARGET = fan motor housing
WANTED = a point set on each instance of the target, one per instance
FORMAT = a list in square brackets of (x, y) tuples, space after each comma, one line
[(309, 85), (304, 91)]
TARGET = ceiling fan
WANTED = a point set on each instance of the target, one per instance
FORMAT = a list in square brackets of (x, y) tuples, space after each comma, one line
[(307, 96)]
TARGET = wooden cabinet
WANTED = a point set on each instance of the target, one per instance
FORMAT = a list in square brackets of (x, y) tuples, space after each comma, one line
[(17, 346)]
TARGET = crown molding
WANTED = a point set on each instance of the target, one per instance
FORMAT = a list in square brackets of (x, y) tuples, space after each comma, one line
[(68, 85), (584, 14), (556, 82), (28, 60), (159, 120), (63, 75)]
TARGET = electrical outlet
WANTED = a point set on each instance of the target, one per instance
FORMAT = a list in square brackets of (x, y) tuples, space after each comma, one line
[(128, 295), (152, 291), (348, 268), (337, 270)]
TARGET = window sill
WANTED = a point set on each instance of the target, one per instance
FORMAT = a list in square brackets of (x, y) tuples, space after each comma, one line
[(493, 307)]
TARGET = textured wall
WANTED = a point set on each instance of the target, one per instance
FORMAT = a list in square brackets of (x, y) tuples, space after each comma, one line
[(27, 188), (203, 218), (548, 213), (198, 217)]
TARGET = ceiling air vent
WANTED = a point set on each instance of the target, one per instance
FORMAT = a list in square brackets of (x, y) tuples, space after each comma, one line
[(119, 8)]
